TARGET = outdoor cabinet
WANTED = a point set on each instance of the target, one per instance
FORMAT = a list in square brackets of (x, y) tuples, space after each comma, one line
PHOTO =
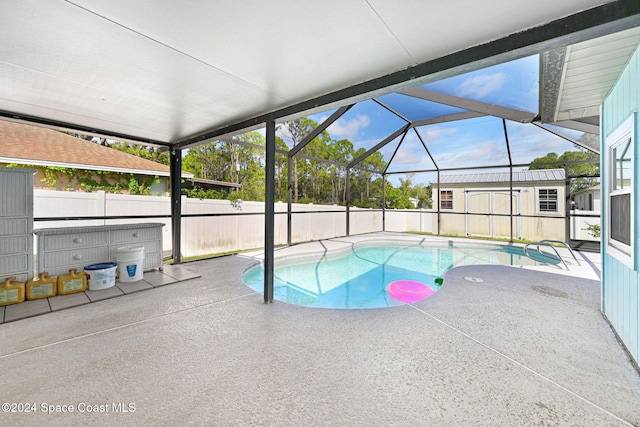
[(60, 249), (16, 223)]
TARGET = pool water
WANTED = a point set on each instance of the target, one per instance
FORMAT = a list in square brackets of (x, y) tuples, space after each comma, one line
[(360, 277)]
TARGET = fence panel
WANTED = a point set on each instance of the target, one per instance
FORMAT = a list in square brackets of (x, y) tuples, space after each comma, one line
[(215, 234)]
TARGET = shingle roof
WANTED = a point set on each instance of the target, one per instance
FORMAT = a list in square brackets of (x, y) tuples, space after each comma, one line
[(26, 144), (503, 177)]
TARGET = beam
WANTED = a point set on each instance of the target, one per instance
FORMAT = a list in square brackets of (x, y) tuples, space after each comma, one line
[(578, 125), (395, 152), (578, 143), (471, 104), (425, 147), (595, 22), (391, 110), (447, 118), (317, 131), (379, 145)]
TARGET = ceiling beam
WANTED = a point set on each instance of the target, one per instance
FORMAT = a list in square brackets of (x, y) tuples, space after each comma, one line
[(595, 22), (471, 104)]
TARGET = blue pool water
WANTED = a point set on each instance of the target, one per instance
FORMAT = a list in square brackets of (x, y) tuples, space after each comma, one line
[(358, 278)]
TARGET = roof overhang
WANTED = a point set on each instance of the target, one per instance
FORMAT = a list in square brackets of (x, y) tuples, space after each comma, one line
[(575, 79), (31, 162)]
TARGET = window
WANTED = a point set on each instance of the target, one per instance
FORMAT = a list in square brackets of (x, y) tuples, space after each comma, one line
[(620, 223), (548, 200), (446, 199)]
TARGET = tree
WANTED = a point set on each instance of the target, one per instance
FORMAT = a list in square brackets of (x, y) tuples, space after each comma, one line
[(149, 153), (582, 175), (229, 162), (298, 129)]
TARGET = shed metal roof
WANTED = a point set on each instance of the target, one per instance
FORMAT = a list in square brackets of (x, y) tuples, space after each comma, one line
[(536, 175)]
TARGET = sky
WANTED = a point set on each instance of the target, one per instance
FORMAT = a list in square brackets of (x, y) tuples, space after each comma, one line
[(468, 143)]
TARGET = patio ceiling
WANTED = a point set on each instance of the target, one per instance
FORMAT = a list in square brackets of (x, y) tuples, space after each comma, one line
[(176, 74)]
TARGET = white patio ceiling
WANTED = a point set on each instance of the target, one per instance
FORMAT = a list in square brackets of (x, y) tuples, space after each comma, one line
[(176, 72)]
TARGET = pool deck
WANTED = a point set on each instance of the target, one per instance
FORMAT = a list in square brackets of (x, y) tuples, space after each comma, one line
[(497, 345)]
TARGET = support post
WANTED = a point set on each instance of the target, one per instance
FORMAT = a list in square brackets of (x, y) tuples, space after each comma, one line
[(175, 170), (567, 206), (289, 195), (269, 209), (384, 203), (506, 140), (439, 203), (348, 197)]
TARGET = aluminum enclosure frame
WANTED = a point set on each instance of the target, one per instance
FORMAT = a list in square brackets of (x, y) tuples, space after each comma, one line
[(591, 23)]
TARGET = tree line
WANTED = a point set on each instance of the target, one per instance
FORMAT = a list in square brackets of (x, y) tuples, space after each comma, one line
[(318, 172)]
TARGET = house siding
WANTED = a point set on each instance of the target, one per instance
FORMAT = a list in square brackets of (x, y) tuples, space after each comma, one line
[(621, 284)]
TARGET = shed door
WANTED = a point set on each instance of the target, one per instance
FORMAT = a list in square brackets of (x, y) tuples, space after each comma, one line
[(502, 205), (479, 203), (485, 203)]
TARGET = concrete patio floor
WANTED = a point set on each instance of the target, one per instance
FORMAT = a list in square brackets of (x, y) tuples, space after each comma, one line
[(522, 347)]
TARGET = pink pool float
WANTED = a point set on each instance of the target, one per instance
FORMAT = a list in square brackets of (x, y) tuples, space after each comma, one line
[(409, 291)]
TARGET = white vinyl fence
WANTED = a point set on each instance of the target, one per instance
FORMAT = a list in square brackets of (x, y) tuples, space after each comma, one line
[(205, 235)]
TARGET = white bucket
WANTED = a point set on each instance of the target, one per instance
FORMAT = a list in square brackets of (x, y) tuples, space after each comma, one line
[(101, 276), (130, 263)]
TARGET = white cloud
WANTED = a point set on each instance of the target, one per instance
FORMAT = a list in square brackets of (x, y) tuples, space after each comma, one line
[(409, 157), (432, 134), (480, 86), (349, 129)]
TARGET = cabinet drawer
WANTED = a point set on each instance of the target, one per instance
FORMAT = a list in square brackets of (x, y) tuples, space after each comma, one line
[(14, 226), (13, 245), (81, 257), (12, 264), (133, 235), (76, 240)]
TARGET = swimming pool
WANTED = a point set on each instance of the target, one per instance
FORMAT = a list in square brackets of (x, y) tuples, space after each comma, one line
[(359, 276)]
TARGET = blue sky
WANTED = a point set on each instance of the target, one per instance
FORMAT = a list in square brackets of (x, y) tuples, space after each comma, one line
[(472, 142)]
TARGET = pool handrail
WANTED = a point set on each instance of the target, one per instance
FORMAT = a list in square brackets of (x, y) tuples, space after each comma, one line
[(550, 243)]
